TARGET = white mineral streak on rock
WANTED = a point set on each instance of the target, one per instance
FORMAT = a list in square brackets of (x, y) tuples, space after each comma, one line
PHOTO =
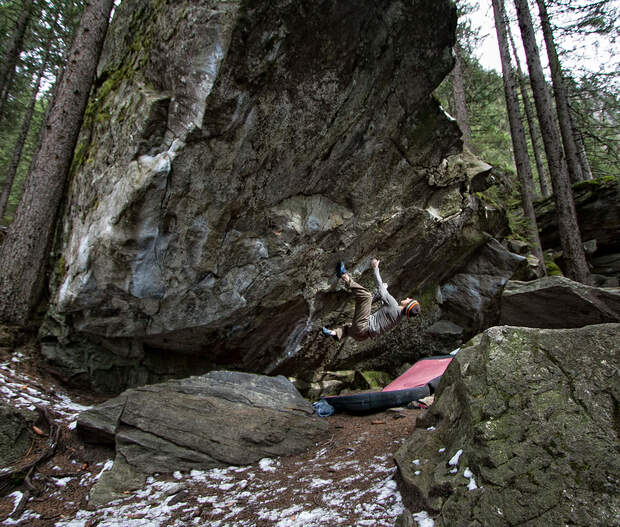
[(148, 173), (310, 214)]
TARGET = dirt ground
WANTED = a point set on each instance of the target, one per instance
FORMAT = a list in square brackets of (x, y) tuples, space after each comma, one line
[(345, 480)]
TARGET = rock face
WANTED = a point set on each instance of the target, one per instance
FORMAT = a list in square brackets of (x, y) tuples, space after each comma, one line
[(218, 419), (598, 212), (523, 431), (231, 153), (557, 302)]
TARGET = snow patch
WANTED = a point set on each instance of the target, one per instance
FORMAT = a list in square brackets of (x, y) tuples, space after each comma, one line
[(455, 459)]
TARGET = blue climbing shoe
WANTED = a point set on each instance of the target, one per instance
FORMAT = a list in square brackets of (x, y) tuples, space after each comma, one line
[(340, 269), (326, 332)]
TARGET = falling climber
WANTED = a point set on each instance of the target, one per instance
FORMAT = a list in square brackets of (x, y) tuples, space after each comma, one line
[(366, 324)]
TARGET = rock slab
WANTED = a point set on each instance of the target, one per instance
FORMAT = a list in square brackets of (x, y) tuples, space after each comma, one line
[(524, 431), (218, 419), (557, 302)]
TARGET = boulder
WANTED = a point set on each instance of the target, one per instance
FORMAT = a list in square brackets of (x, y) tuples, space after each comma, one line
[(523, 431), (557, 302), (15, 433), (218, 419), (470, 299), (598, 213), (231, 153)]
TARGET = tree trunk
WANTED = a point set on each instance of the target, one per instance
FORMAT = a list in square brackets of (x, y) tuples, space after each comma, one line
[(529, 114), (14, 49), (517, 133), (19, 146), (581, 151), (25, 251), (561, 98), (23, 134), (460, 103), (576, 265)]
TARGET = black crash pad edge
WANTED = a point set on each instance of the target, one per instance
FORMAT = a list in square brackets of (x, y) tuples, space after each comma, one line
[(375, 401)]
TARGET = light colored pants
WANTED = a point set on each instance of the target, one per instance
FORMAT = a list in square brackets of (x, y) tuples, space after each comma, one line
[(363, 306)]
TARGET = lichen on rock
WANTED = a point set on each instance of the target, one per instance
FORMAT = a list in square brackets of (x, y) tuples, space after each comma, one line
[(532, 415)]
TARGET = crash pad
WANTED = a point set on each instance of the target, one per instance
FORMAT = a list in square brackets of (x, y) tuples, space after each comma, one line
[(422, 372), (417, 382)]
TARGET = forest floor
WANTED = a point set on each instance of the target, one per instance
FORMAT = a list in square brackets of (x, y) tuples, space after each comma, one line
[(345, 480)]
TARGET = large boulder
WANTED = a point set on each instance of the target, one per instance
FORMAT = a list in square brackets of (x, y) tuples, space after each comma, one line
[(231, 153), (557, 302), (523, 431), (218, 419)]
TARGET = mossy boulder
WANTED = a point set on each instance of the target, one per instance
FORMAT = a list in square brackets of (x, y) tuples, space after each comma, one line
[(523, 431)]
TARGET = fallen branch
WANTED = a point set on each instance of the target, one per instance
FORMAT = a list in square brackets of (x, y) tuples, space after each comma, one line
[(20, 506)]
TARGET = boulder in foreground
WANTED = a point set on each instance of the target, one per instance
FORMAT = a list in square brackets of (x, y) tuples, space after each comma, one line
[(523, 431)]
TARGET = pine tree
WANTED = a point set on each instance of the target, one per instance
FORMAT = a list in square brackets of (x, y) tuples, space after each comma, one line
[(460, 103), (25, 128), (570, 237), (561, 98), (14, 50), (531, 120), (25, 251), (517, 133)]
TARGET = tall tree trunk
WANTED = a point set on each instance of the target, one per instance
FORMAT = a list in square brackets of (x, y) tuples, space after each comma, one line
[(23, 134), (517, 133), (460, 103), (561, 97), (14, 49), (576, 265), (531, 124), (581, 151), (19, 146), (25, 251)]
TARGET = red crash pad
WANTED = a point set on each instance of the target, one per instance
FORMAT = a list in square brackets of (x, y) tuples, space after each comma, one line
[(421, 373)]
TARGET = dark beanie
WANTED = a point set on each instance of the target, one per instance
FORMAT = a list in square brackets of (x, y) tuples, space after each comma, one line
[(413, 309)]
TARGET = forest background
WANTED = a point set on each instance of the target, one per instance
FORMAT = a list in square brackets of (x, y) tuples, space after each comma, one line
[(37, 37)]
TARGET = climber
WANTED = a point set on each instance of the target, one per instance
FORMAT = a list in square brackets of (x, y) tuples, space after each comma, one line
[(366, 325)]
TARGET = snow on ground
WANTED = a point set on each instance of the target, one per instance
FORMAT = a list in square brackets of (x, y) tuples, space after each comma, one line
[(314, 491), (21, 391)]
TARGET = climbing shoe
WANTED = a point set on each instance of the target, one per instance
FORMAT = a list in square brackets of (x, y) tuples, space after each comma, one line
[(327, 333), (340, 269)]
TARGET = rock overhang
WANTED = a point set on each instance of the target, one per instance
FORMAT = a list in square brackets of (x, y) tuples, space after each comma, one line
[(274, 139)]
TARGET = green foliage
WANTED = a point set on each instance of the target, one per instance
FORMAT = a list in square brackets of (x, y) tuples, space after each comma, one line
[(552, 268)]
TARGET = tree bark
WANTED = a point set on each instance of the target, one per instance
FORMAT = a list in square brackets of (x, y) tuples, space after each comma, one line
[(581, 151), (25, 251), (517, 133), (7, 66), (25, 128), (570, 237), (561, 97), (529, 114), (19, 146), (460, 103)]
